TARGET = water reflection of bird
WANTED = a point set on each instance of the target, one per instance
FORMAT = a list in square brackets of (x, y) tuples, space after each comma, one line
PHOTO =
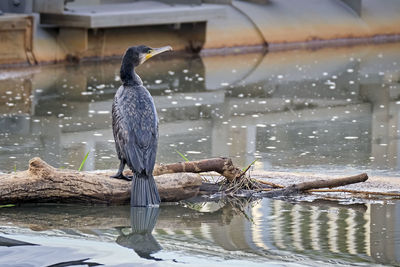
[(135, 127), (143, 220)]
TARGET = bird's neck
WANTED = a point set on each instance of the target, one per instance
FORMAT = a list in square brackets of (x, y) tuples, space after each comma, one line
[(128, 74)]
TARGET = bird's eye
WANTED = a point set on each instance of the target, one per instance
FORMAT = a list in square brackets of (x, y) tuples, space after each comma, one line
[(148, 52)]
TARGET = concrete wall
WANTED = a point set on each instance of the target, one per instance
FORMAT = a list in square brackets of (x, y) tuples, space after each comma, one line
[(274, 23)]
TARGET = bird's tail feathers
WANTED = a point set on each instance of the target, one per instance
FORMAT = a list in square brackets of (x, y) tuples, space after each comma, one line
[(144, 191)]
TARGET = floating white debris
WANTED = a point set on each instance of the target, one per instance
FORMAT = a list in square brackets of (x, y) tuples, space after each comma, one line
[(158, 81), (106, 157), (12, 157), (197, 104), (351, 137), (185, 71), (101, 86), (325, 73), (91, 111), (351, 82), (103, 112), (311, 136), (193, 152), (383, 144), (98, 134), (188, 97), (255, 115), (110, 141), (8, 92), (272, 138), (170, 72), (270, 147), (279, 76), (350, 70), (200, 79), (39, 90), (117, 78), (224, 84), (174, 102), (86, 93)]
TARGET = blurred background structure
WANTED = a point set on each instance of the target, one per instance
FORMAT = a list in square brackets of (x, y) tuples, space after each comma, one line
[(35, 31)]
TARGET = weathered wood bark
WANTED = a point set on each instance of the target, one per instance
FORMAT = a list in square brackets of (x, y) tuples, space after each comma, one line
[(302, 187), (43, 183), (223, 166)]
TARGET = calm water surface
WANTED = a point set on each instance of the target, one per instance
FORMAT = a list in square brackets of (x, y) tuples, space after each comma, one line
[(329, 110), (193, 234)]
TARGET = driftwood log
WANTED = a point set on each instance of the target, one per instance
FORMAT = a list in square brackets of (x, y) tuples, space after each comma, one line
[(303, 187), (44, 183), (223, 166)]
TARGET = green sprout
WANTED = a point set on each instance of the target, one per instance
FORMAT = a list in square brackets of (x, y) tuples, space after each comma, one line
[(83, 161), (183, 156)]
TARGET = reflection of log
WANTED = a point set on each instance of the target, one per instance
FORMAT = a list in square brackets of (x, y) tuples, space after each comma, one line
[(302, 187), (223, 166), (41, 217), (43, 183)]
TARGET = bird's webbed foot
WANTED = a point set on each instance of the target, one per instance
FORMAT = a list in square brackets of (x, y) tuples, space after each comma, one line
[(121, 176)]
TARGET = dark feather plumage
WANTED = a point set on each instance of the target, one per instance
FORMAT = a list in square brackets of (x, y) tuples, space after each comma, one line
[(135, 128)]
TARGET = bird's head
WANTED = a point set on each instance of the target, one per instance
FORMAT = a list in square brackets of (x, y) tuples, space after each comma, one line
[(141, 53)]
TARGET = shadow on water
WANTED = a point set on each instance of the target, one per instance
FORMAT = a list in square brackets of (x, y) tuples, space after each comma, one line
[(270, 230)]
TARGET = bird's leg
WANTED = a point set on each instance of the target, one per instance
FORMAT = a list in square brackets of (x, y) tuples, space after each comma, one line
[(119, 174)]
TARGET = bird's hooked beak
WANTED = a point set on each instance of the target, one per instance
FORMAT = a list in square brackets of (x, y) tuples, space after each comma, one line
[(155, 51)]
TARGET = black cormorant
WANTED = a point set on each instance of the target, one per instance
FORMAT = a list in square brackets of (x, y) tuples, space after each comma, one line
[(135, 127)]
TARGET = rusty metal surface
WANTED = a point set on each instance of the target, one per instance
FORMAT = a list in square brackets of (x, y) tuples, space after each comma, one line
[(289, 23), (16, 39), (301, 21)]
